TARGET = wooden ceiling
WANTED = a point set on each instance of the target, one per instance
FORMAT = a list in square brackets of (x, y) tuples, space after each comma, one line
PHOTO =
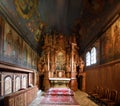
[(86, 18)]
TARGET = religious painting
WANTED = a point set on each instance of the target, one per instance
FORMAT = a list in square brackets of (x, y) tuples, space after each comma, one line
[(0, 39), (116, 34), (1, 33), (26, 8), (12, 45), (19, 48), (107, 45), (15, 49), (25, 53), (32, 58), (8, 41), (97, 45), (60, 60), (16, 46), (29, 56)]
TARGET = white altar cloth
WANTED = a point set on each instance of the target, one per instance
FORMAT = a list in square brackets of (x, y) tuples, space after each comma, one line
[(59, 81)]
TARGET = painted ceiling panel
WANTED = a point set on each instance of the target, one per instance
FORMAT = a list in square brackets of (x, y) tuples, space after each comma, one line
[(34, 18)]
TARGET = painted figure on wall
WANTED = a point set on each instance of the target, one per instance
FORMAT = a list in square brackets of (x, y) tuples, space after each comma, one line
[(1, 35), (16, 46), (25, 53), (33, 61), (107, 45), (19, 49), (8, 44), (29, 57), (117, 38)]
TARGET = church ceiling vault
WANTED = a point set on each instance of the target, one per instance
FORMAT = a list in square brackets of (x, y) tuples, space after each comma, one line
[(33, 19)]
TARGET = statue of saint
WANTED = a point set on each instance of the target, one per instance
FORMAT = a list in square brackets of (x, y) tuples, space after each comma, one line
[(81, 65)]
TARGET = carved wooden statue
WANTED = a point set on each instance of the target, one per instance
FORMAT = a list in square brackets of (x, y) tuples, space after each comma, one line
[(81, 65)]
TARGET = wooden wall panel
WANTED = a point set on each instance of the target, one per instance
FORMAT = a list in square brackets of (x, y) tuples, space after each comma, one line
[(105, 76)]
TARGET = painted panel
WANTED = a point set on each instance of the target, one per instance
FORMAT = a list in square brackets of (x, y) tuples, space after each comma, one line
[(107, 45), (17, 83), (116, 34), (15, 49), (110, 48), (8, 85), (24, 82)]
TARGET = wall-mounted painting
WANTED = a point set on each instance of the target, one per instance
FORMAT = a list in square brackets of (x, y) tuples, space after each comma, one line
[(107, 45), (116, 34), (110, 40), (8, 41), (16, 50)]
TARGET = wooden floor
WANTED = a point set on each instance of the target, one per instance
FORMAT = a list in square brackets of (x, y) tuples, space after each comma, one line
[(81, 98)]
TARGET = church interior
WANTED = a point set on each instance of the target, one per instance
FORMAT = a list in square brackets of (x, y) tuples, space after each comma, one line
[(59, 44)]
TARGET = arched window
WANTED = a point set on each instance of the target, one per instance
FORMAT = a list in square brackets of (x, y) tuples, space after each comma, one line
[(93, 55), (88, 59)]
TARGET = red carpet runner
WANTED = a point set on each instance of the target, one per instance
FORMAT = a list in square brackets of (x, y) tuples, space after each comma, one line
[(59, 97), (60, 91)]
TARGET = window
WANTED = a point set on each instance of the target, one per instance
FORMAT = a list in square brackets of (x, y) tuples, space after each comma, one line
[(93, 55), (88, 59)]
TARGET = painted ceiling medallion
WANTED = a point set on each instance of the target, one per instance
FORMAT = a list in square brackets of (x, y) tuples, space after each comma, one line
[(26, 7)]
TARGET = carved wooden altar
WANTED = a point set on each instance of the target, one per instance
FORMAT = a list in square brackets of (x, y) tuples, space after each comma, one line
[(59, 58)]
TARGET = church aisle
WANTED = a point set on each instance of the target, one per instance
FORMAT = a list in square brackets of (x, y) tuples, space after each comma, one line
[(81, 98)]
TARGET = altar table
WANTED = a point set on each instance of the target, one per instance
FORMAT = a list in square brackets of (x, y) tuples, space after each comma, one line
[(59, 81)]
